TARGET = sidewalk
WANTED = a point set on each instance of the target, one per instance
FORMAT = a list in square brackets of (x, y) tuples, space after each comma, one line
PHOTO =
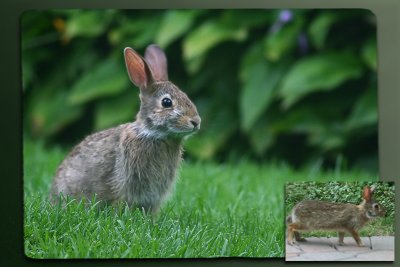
[(377, 248)]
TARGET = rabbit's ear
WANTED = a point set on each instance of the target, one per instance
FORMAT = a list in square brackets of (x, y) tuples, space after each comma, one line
[(138, 71), (157, 61), (373, 187), (367, 193)]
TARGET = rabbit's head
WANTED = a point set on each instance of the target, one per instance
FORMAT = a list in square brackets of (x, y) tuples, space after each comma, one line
[(165, 111), (372, 208)]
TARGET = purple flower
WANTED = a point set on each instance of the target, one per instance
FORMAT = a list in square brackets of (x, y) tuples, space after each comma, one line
[(285, 16)]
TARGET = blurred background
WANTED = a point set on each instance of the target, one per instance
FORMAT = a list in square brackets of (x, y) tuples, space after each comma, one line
[(293, 86)]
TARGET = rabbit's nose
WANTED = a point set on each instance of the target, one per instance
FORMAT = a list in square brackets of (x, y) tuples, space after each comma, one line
[(196, 122)]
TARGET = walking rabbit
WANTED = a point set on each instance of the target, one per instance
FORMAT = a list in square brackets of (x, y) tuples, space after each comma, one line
[(342, 217), (134, 162)]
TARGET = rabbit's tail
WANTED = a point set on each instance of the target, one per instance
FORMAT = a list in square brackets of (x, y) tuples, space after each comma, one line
[(289, 219)]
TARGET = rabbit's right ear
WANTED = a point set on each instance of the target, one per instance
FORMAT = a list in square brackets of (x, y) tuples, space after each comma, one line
[(367, 193), (157, 61), (138, 71)]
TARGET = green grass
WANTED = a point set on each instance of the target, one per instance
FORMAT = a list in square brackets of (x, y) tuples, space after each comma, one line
[(217, 210)]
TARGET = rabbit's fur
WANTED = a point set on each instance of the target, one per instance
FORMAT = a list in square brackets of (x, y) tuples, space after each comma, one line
[(342, 217), (135, 162)]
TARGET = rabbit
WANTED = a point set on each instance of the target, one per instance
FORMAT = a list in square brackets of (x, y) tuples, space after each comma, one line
[(136, 162), (342, 217)]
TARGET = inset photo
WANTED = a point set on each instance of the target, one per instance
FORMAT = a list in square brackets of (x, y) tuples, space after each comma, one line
[(340, 221)]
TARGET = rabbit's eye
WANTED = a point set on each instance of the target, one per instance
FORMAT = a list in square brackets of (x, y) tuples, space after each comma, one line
[(166, 102), (376, 206)]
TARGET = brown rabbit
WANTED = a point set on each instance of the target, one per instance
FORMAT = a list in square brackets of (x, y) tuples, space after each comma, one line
[(342, 217), (135, 162)]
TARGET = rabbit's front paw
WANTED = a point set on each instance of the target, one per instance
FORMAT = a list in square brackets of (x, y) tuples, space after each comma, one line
[(290, 242)]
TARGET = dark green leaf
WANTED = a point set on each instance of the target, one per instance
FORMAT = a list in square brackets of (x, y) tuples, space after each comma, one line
[(27, 73), (369, 53), (107, 79), (206, 36), (260, 79), (332, 138), (249, 19), (261, 135), (87, 23), (117, 110), (310, 120), (279, 42), (305, 119), (320, 26), (218, 124), (138, 30), (174, 24), (322, 72), (50, 113), (143, 31), (365, 111)]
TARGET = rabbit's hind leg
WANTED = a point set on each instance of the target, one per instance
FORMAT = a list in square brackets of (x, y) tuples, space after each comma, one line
[(298, 237), (289, 235), (341, 238), (291, 228)]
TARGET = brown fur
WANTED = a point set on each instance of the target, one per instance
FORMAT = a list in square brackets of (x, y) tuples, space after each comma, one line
[(135, 162), (342, 217)]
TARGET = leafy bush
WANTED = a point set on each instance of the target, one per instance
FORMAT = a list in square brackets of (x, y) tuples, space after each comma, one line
[(297, 85)]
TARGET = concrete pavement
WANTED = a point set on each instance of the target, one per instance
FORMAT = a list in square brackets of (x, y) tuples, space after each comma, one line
[(377, 248)]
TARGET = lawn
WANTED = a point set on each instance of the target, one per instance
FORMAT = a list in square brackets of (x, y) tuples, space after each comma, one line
[(217, 210)]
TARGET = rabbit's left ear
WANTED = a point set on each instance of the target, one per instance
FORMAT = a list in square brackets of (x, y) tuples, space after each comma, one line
[(367, 193), (157, 62), (138, 70)]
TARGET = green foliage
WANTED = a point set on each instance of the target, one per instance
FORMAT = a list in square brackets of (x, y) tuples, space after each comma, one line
[(87, 24), (233, 210), (107, 79), (205, 37), (320, 26), (175, 23), (264, 81), (321, 72), (278, 42), (256, 74)]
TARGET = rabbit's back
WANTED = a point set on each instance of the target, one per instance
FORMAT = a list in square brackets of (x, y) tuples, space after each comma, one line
[(89, 166), (323, 215), (121, 164)]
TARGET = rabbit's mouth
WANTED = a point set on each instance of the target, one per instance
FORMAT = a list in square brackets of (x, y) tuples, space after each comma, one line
[(184, 131), (371, 215)]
